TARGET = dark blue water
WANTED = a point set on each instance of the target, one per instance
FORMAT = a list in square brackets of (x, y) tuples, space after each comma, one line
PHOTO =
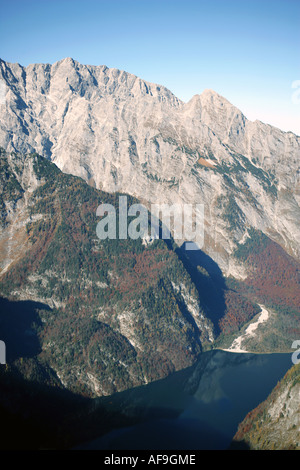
[(199, 408)]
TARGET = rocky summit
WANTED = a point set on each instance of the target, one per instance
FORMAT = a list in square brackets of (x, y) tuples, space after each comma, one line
[(83, 317), (121, 133)]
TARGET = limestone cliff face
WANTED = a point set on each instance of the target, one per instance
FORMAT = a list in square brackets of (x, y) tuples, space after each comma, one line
[(121, 133), (275, 423)]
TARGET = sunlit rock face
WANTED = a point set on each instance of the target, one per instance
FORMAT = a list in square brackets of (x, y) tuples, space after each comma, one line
[(121, 133)]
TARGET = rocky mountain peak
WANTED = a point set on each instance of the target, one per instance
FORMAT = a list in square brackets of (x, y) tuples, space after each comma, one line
[(121, 133)]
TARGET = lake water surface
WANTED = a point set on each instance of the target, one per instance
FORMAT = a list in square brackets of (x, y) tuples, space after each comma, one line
[(198, 408)]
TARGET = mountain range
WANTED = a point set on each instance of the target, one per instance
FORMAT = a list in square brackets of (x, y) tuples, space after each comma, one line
[(123, 134), (103, 316)]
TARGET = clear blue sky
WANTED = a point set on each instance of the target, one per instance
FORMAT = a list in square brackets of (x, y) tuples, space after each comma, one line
[(246, 50)]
